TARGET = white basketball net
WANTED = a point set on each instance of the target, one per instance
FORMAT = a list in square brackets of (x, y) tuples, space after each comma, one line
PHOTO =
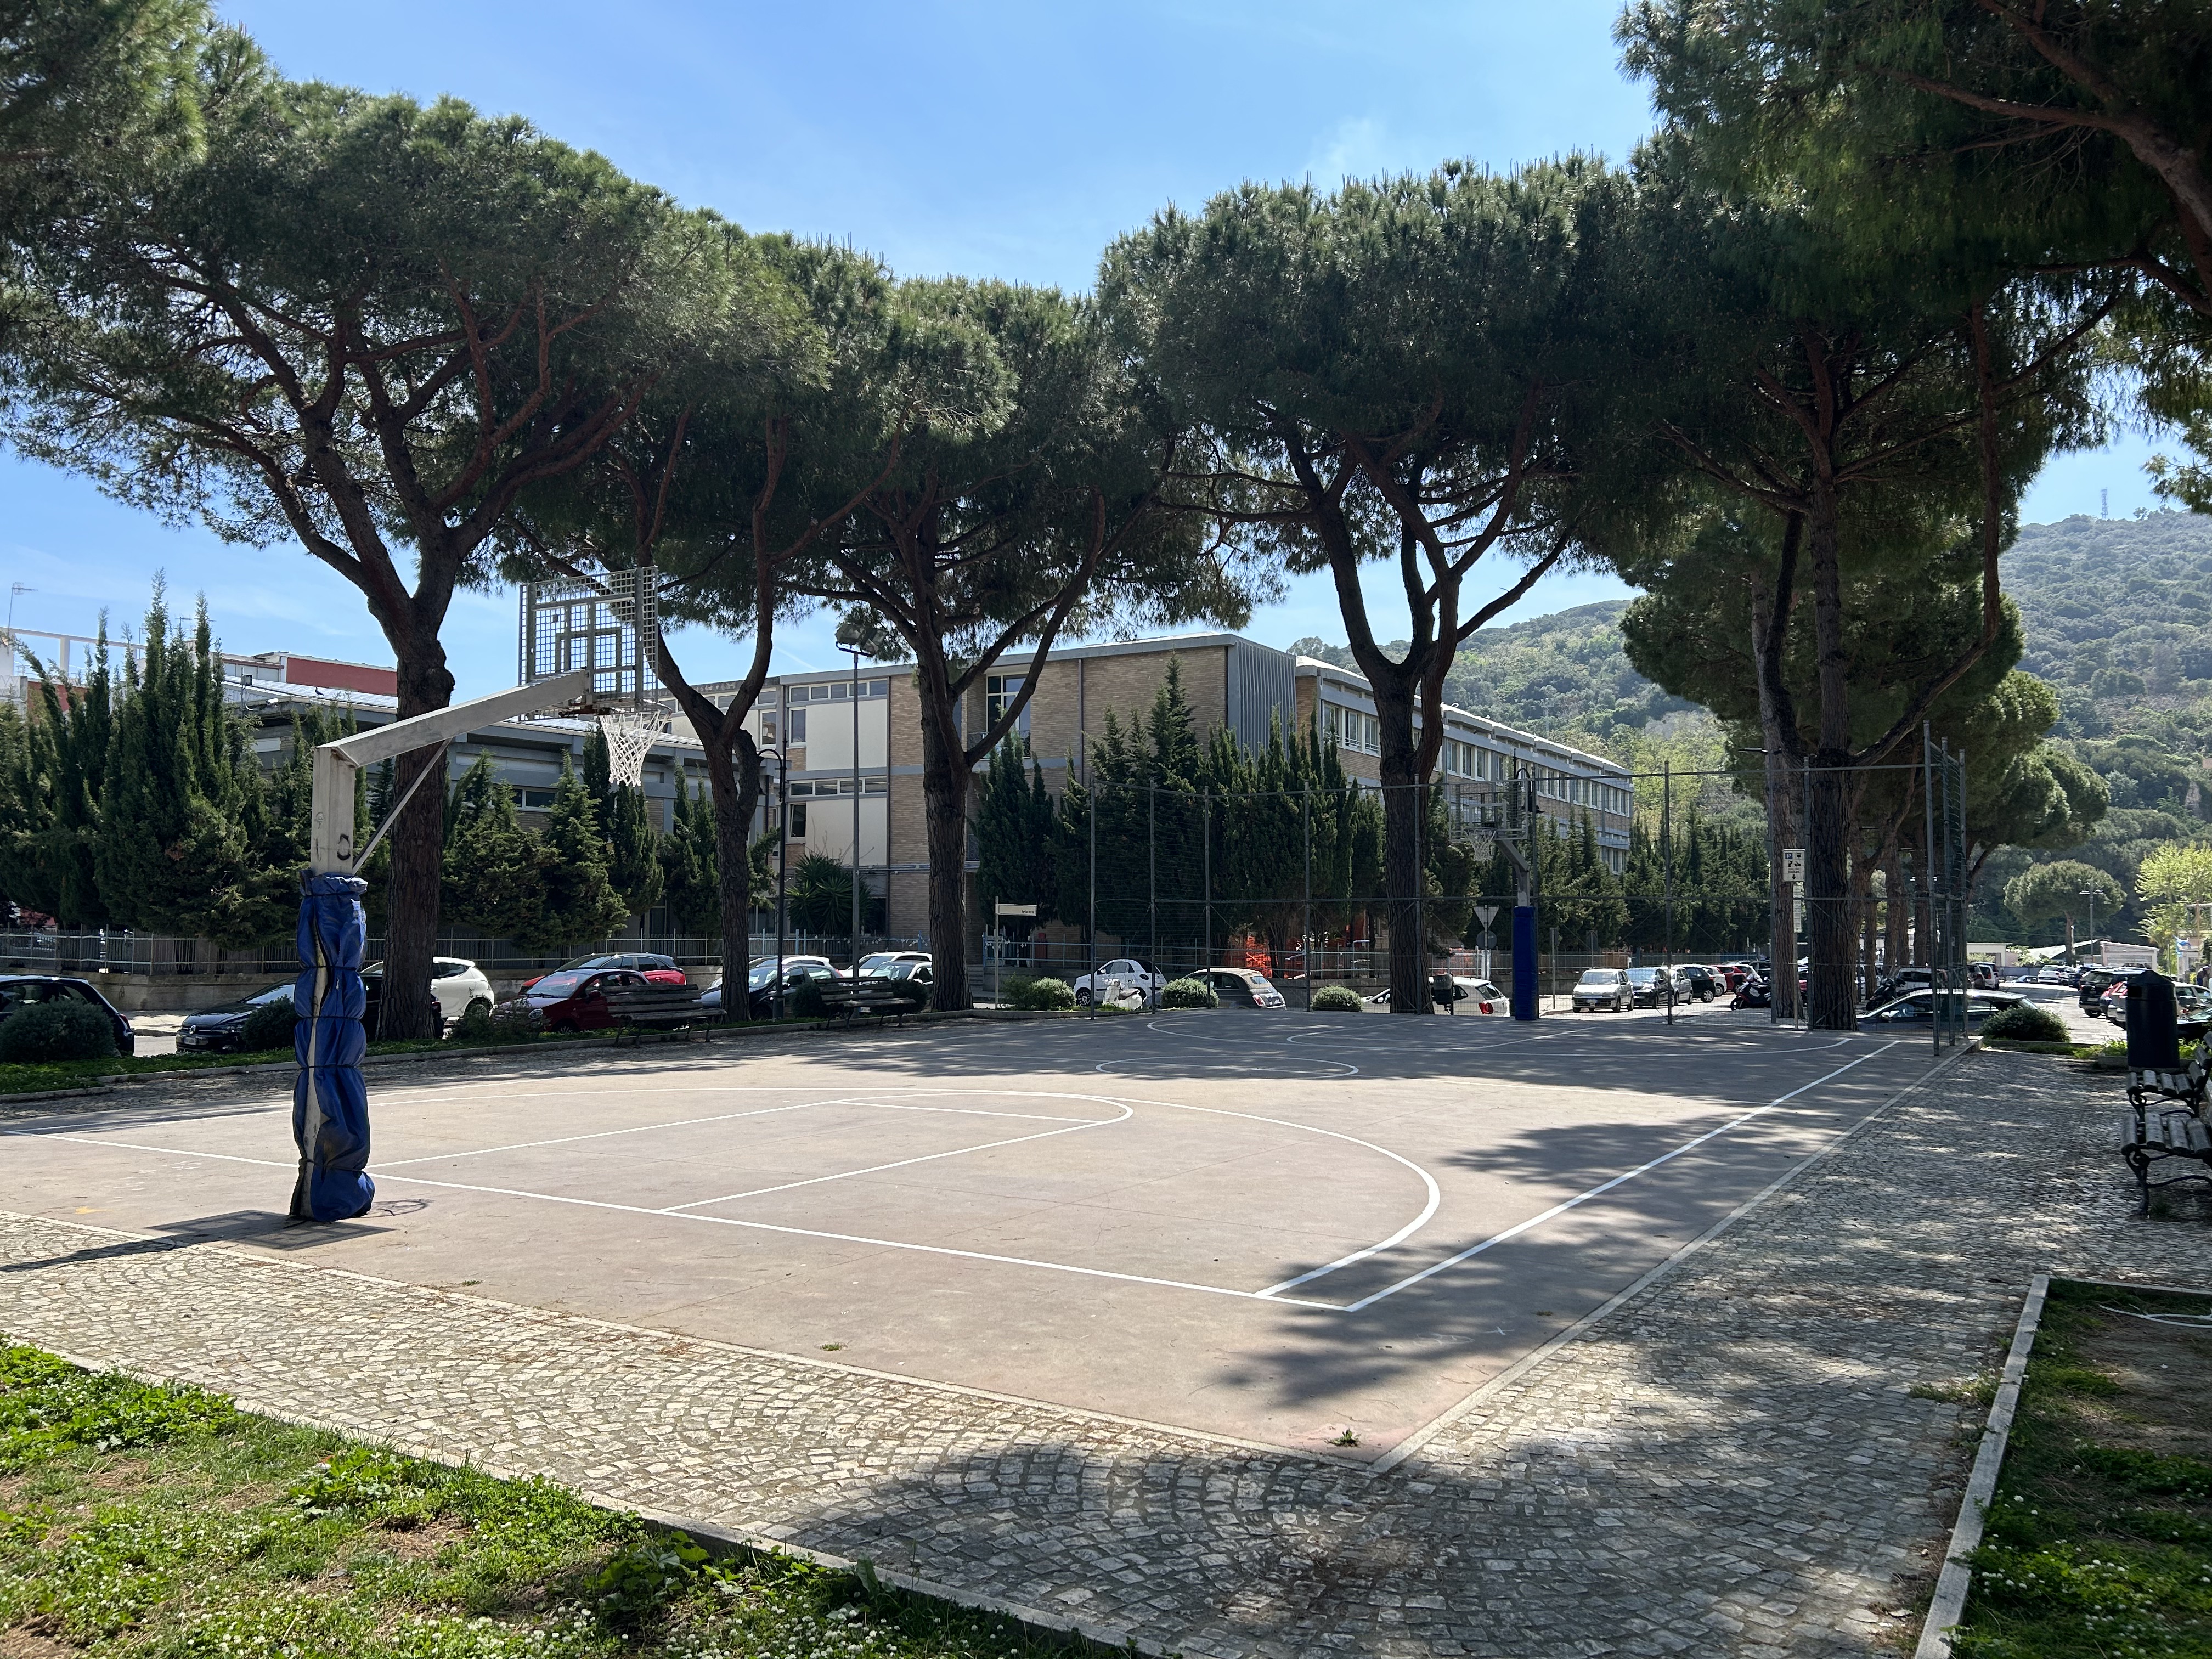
[(629, 733)]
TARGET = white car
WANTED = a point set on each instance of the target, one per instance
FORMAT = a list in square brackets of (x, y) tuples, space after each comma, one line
[(458, 985), (1125, 971)]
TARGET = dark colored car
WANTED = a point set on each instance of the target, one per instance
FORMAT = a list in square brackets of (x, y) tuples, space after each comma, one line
[(1705, 983), (1650, 987), (222, 1030), (2092, 986), (760, 985), (572, 1001), (657, 970), (25, 990), (915, 976)]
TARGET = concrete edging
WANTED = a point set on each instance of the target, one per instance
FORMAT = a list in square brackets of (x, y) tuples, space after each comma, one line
[(1948, 1605)]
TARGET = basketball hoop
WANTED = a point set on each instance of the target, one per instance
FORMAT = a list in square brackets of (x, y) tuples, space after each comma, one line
[(629, 733)]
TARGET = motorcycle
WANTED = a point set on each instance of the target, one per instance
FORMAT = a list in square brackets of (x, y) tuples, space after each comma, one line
[(1753, 993)]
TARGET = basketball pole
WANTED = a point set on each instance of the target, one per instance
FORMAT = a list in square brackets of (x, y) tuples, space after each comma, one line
[(330, 1102)]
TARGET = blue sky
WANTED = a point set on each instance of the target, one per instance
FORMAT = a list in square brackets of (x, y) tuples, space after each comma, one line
[(1008, 140)]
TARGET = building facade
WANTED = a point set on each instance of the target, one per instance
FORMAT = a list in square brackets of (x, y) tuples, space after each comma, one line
[(853, 741)]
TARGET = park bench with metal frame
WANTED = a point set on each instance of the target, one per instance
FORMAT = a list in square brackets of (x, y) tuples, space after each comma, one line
[(2164, 1119), (637, 1009), (879, 999)]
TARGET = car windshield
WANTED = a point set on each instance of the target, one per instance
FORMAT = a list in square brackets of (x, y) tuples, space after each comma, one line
[(587, 962), (1643, 976), (1602, 977), (556, 985), (274, 993)]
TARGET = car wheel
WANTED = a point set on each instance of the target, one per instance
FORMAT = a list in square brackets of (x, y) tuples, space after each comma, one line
[(566, 1028), (477, 1006), (1083, 996)]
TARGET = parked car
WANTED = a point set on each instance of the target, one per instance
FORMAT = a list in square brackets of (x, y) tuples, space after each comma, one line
[(888, 958), (2113, 1003), (19, 991), (1921, 1005), (1733, 974), (457, 984), (658, 970), (577, 1001), (2052, 973), (1601, 989), (1129, 971), (1704, 983), (911, 972), (1650, 987), (2092, 986), (1243, 987), (1486, 998), (221, 1031), (758, 977)]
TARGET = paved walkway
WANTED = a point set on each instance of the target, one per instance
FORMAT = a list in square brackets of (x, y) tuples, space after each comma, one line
[(1730, 1461)]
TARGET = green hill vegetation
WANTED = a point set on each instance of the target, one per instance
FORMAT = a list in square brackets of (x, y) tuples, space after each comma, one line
[(2118, 614)]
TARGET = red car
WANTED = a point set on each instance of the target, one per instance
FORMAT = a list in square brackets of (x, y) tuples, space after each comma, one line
[(657, 970), (572, 1001)]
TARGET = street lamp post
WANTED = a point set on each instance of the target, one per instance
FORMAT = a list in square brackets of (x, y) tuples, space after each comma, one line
[(2090, 894)]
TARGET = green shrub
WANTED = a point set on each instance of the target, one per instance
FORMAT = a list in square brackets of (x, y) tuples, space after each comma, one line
[(2025, 1023), (1335, 998), (804, 1000), (40, 1031), (510, 1022), (1040, 996), (269, 1026), (1188, 993)]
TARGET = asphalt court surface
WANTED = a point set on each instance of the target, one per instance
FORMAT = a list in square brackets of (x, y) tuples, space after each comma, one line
[(1278, 1227)]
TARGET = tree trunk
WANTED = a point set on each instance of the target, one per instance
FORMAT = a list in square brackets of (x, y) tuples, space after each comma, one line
[(733, 780), (1402, 876), (406, 1008), (1862, 892), (1830, 1006), (944, 787), (1894, 911)]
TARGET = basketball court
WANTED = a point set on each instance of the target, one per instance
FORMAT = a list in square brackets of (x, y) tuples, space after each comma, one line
[(1285, 1229)]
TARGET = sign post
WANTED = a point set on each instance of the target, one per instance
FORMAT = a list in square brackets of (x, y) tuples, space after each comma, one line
[(1001, 911)]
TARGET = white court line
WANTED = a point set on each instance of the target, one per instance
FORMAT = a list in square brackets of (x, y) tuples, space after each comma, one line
[(857, 1239), (725, 1117), (904, 1162), (1603, 1187)]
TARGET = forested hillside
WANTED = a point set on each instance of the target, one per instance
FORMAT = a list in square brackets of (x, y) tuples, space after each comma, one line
[(2118, 614)]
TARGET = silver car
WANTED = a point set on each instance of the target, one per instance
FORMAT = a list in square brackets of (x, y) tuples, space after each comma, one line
[(1603, 988)]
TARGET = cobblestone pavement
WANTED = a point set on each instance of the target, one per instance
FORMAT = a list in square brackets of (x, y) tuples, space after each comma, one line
[(1730, 1461)]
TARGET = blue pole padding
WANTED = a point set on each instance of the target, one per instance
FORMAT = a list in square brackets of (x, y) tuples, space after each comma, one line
[(1524, 962), (329, 1104)]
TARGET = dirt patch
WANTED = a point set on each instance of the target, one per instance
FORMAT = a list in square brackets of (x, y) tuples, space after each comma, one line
[(2164, 1371), (23, 1642)]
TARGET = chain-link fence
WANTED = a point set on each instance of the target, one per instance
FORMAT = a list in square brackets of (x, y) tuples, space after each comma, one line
[(1143, 883)]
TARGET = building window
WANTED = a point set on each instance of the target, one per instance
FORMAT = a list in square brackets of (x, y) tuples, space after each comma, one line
[(532, 801), (797, 813), (767, 731), (799, 725), (999, 690)]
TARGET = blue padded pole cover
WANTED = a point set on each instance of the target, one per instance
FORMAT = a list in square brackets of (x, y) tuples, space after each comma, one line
[(1524, 962), (330, 1104)]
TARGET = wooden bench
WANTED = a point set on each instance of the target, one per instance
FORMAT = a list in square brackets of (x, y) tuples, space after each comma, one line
[(879, 999), (2154, 1133), (638, 1009)]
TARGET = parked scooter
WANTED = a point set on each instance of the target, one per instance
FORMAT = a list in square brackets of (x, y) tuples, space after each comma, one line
[(1753, 993)]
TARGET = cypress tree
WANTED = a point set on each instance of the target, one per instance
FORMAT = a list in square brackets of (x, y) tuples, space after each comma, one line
[(690, 891), (581, 904), (1014, 835), (494, 877)]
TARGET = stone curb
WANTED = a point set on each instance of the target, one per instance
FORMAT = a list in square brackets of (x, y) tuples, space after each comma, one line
[(1950, 1603)]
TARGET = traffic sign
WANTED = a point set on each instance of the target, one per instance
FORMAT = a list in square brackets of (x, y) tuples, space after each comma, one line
[(1485, 914), (1793, 866), (1006, 909)]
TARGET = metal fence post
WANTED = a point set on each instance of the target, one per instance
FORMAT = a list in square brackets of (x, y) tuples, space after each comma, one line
[(1306, 936)]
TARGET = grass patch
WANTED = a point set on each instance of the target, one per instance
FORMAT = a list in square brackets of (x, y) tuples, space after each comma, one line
[(27, 1078), (161, 1521), (2099, 1540)]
